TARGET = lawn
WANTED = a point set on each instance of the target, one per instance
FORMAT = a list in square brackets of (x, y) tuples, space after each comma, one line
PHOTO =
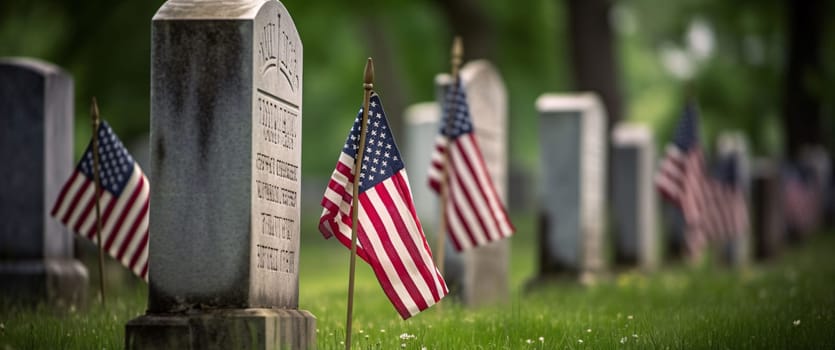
[(785, 303)]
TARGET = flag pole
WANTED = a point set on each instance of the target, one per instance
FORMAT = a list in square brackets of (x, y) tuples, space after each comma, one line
[(94, 114), (457, 54), (368, 78)]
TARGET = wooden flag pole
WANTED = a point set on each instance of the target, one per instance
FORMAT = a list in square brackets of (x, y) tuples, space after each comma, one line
[(94, 114), (368, 85), (457, 55)]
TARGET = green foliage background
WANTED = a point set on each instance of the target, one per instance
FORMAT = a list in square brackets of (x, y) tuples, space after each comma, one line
[(105, 46)]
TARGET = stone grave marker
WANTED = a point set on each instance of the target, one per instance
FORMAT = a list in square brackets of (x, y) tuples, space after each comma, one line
[(573, 158), (634, 202), (421, 130), (732, 144), (481, 275), (226, 127), (767, 223), (36, 150)]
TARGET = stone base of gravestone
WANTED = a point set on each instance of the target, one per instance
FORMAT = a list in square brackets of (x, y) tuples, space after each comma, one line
[(59, 282), (224, 329)]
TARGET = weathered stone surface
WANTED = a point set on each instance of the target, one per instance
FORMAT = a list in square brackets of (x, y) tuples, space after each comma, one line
[(225, 157), (226, 119), (224, 329), (36, 142), (634, 201), (573, 150)]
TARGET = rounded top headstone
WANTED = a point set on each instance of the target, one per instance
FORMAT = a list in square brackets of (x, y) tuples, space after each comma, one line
[(208, 9), (631, 134), (32, 64)]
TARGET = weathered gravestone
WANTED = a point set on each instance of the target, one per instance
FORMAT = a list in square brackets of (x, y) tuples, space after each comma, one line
[(226, 118), (36, 142), (480, 275), (573, 158), (732, 147), (421, 130), (767, 222), (634, 199)]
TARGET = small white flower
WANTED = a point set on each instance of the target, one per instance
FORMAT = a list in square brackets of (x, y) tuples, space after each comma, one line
[(402, 345), (634, 335), (366, 336), (317, 330), (423, 348), (629, 317), (588, 330), (796, 322), (541, 339), (342, 343), (362, 331), (406, 336), (382, 331), (623, 340), (580, 341), (529, 341)]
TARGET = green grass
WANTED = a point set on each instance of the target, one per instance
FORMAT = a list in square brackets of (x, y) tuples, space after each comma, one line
[(787, 303)]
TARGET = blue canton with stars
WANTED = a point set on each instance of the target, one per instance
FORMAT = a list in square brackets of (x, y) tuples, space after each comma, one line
[(687, 131), (457, 104), (115, 164), (381, 159)]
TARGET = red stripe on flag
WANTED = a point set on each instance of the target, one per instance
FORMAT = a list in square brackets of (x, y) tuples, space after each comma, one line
[(143, 245), (382, 277), (123, 215), (75, 199), (404, 232), (133, 229), (60, 200), (369, 210)]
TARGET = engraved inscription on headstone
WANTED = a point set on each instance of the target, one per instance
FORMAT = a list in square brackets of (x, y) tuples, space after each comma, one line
[(276, 157), (226, 119)]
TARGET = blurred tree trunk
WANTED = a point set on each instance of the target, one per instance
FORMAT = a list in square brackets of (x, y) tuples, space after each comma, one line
[(468, 19), (594, 64), (389, 81), (801, 97), (593, 60)]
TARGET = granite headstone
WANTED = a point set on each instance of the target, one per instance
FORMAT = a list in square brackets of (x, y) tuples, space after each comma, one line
[(226, 127), (634, 202), (36, 150), (573, 157)]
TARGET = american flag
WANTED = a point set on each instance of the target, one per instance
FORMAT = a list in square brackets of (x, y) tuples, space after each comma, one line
[(730, 210), (681, 178), (389, 237), (475, 213), (124, 202), (801, 199)]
